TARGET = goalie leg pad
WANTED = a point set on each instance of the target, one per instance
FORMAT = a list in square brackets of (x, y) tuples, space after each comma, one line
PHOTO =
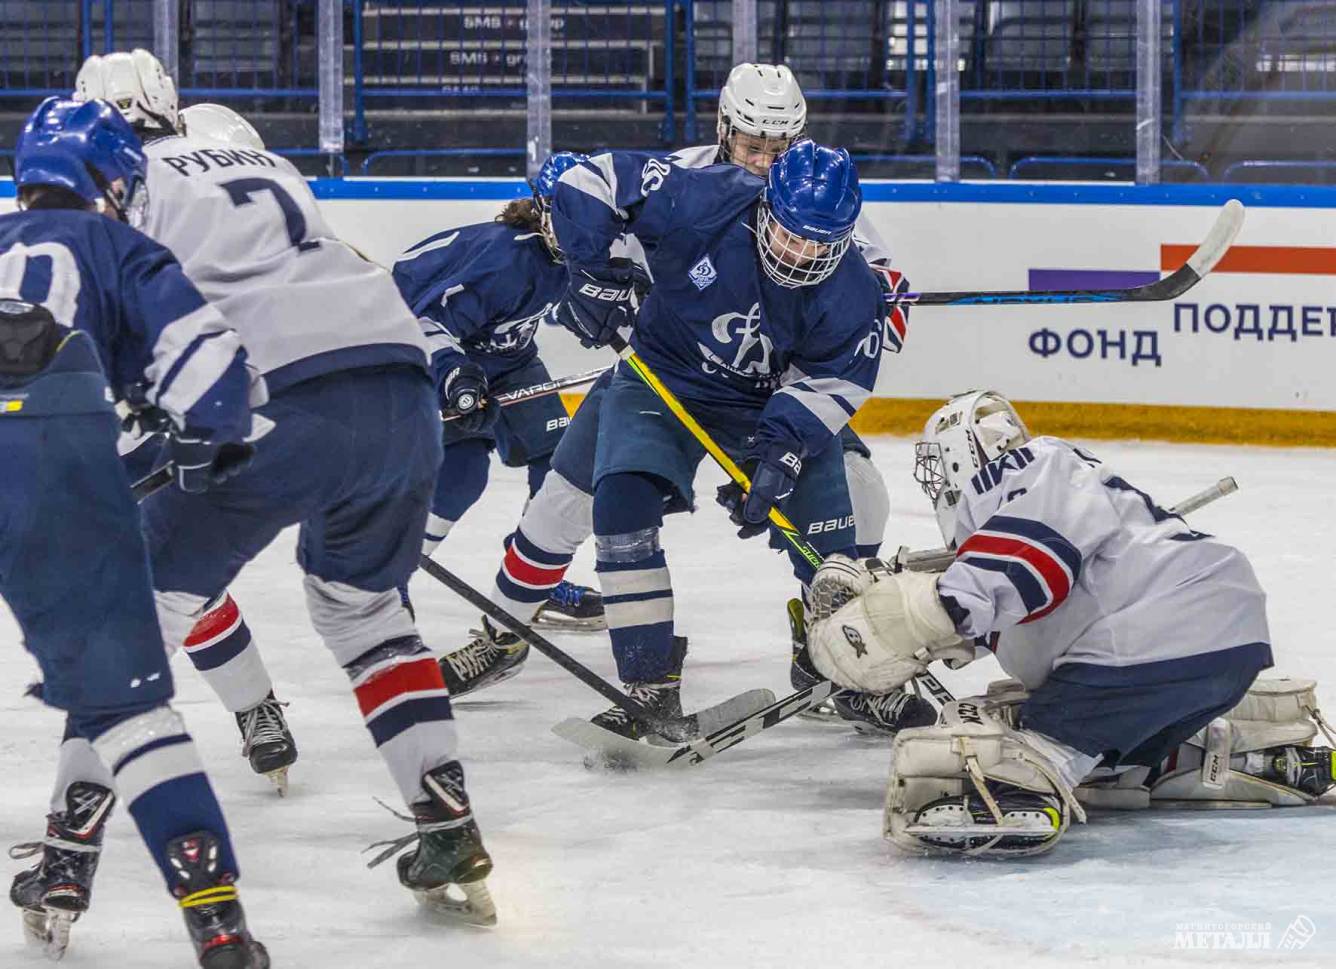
[(972, 786), (1259, 754)]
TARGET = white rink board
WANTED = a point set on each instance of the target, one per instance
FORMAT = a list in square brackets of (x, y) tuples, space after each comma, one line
[(974, 245)]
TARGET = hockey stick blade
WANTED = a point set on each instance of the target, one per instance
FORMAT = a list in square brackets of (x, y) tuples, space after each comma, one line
[(618, 751), (1201, 262)]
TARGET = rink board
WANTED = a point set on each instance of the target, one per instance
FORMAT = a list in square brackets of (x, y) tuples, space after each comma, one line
[(1246, 356)]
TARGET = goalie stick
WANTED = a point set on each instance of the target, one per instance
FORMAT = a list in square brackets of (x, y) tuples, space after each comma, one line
[(1201, 262), (540, 390), (937, 559)]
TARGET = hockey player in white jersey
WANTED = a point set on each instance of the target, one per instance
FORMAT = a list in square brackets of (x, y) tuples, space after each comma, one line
[(352, 458), (1134, 641), (221, 645), (761, 112)]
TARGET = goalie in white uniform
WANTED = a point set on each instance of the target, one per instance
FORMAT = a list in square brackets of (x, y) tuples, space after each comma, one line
[(1135, 643)]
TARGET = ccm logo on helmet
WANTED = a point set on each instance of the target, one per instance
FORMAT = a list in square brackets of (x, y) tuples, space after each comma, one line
[(607, 295)]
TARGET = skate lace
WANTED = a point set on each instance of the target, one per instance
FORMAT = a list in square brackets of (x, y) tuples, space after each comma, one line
[(262, 725), (646, 695), (395, 846), (886, 708), (567, 594), (474, 659)]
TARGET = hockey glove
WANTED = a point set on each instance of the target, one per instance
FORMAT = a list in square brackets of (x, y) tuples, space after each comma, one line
[(464, 393), (773, 474), (199, 465), (895, 307), (597, 304)]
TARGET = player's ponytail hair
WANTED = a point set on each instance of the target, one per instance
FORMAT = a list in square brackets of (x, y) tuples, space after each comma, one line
[(521, 214)]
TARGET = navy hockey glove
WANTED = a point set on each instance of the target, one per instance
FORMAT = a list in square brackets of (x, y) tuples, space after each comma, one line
[(464, 393), (199, 465), (773, 474), (597, 304)]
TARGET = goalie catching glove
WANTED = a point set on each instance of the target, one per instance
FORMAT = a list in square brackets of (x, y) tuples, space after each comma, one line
[(887, 633)]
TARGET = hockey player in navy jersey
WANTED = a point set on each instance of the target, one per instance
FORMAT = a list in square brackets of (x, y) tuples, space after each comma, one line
[(1135, 643), (758, 322), (353, 460), (480, 293), (761, 112), (87, 301)]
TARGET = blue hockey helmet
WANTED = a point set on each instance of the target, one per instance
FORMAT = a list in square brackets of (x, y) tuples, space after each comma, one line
[(807, 214), (545, 186), (83, 147)]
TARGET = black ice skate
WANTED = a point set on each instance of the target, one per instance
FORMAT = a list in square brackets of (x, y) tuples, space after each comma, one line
[(1307, 769), (213, 913), (965, 823), (490, 657), (446, 871), (57, 891), (267, 742), (662, 698), (571, 607), (886, 714), (802, 674)]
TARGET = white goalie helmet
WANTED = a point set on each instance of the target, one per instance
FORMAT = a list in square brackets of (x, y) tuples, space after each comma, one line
[(219, 124), (964, 434), (761, 112), (135, 83)]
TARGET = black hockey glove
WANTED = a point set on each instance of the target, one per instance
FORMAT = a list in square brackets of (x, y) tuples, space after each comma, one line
[(773, 473), (198, 465), (464, 393), (597, 303)]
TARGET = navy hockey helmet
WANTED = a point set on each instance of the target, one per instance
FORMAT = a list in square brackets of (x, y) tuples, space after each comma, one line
[(545, 186), (85, 148), (807, 214)]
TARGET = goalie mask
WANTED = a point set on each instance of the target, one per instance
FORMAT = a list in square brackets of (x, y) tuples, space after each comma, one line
[(963, 435), (136, 84), (761, 112)]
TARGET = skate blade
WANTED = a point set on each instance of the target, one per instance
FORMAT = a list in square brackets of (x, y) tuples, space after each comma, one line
[(444, 903), (823, 713), (279, 778), (48, 929), (559, 623)]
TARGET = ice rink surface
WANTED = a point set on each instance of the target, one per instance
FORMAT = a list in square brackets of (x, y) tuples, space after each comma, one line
[(768, 855)]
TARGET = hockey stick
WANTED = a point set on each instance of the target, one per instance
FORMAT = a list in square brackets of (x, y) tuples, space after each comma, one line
[(1201, 262), (540, 390), (577, 669), (938, 559), (152, 482)]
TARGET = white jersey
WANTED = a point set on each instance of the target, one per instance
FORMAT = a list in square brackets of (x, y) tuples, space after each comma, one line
[(1062, 561), (250, 236), (866, 238)]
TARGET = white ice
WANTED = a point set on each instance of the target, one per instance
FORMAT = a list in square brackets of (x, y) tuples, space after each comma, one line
[(768, 855)]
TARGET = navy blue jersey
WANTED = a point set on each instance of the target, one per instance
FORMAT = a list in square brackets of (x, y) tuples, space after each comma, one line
[(480, 292), (715, 327), (148, 322)]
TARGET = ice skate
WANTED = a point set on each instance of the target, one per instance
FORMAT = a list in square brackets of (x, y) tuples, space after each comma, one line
[(213, 913), (58, 890), (883, 715), (1307, 769), (802, 674), (965, 823), (447, 869), (571, 607), (491, 657), (267, 742), (663, 699)]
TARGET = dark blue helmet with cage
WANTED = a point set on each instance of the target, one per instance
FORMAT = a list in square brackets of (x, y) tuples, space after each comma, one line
[(807, 214), (544, 187), (84, 147)]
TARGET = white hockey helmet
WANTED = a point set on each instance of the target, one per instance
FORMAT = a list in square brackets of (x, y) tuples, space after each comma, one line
[(219, 124), (761, 112), (136, 84), (964, 434)]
